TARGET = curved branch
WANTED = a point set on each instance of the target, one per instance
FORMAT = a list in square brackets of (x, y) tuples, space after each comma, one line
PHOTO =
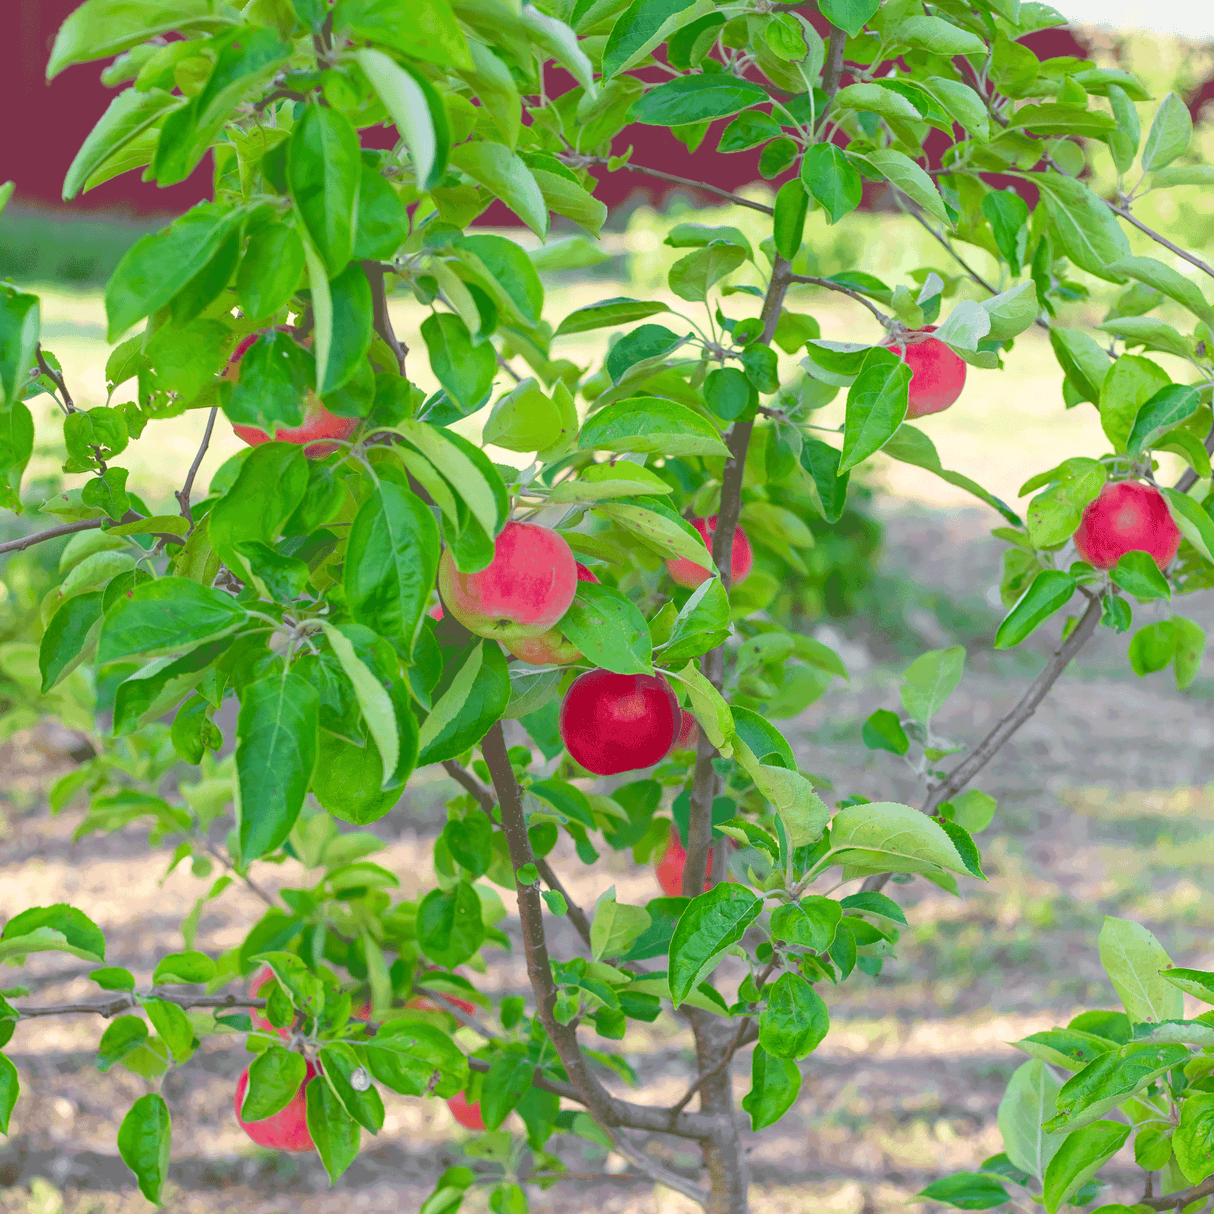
[(809, 280), (183, 494), (1178, 1201), (127, 1002), (1125, 214), (53, 533)]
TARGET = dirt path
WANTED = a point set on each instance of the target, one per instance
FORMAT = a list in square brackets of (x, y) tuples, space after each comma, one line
[(1103, 810)]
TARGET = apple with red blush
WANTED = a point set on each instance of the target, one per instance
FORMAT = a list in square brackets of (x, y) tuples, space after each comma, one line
[(286, 1130), (1128, 516), (669, 868), (741, 559), (260, 979), (468, 1115), (553, 648), (937, 374), (619, 722)]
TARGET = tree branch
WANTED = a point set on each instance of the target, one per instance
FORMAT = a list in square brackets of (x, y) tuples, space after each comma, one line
[(381, 321), (657, 1173), (183, 495), (602, 1105), (1177, 1201), (40, 537), (809, 280), (578, 161), (69, 406), (268, 899), (577, 916), (1125, 214), (126, 1002), (832, 71)]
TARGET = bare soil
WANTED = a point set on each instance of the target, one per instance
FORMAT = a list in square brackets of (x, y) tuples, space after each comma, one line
[(1106, 806)]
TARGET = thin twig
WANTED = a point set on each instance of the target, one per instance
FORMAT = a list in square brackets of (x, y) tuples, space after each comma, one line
[(576, 160), (183, 495), (1125, 214), (809, 280), (127, 1002), (744, 1036), (656, 1172), (1178, 1201), (268, 899), (53, 533)]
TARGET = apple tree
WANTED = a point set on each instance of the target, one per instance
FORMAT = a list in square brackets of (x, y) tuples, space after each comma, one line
[(374, 595)]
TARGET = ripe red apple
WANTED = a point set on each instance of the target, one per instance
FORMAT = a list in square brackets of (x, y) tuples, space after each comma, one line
[(689, 732), (436, 612), (937, 374), (525, 590), (422, 1003), (619, 722), (741, 560), (670, 867), (318, 422), (1127, 517), (468, 1115), (259, 979), (552, 647), (286, 1130)]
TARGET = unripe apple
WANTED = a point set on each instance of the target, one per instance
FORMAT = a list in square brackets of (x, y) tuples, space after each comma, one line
[(525, 590), (619, 722), (318, 422), (741, 560), (1127, 517), (468, 1115), (937, 374), (259, 979), (670, 867), (689, 732), (552, 648), (286, 1130)]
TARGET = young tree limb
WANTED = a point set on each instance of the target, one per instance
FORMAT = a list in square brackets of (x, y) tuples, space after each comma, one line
[(381, 321), (53, 533), (183, 494), (1125, 214), (809, 280), (126, 1002), (1178, 1201)]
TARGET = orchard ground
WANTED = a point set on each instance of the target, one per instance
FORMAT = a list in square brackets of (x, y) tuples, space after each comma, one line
[(906, 1085)]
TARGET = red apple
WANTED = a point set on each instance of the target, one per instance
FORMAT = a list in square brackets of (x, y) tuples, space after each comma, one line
[(552, 648), (422, 1003), (689, 732), (524, 591), (937, 374), (468, 1115), (670, 867), (619, 722), (259, 979), (286, 1130), (741, 560), (1127, 517), (436, 612), (363, 1011), (318, 422)]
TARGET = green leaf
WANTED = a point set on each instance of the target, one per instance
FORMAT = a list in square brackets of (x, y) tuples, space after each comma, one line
[(350, 330), (966, 1191), (156, 267), (701, 625), (184, 967), (1132, 958), (710, 924), (419, 29), (830, 177), (59, 928), (1086, 229), (609, 313), (802, 812), (20, 327), (571, 200), (527, 419), (275, 1077), (875, 99), (69, 638), (475, 697), (1193, 1140), (1194, 522), (416, 111), (1049, 591), (100, 28), (1190, 646), (144, 1142), (810, 923), (113, 978), (876, 405), (129, 115), (648, 345), (849, 15), (1082, 1154), (341, 1068), (508, 1081), (907, 176), (331, 1128), (505, 270), (650, 425), (276, 746), (614, 927), (1127, 386), (1169, 281), (1170, 133), (1085, 362), (660, 527), (416, 1059), (774, 1086), (383, 219), (883, 836), (788, 225), (643, 25), (466, 468), (391, 563), (609, 629), (883, 731), (324, 164), (1198, 983), (150, 692), (929, 680), (1110, 1079), (1028, 1102), (965, 107), (505, 174), (795, 1020), (1148, 332), (1167, 408), (698, 98), (938, 36), (10, 1089), (1137, 574), (167, 615), (449, 924), (173, 1026), (693, 276), (465, 370)]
